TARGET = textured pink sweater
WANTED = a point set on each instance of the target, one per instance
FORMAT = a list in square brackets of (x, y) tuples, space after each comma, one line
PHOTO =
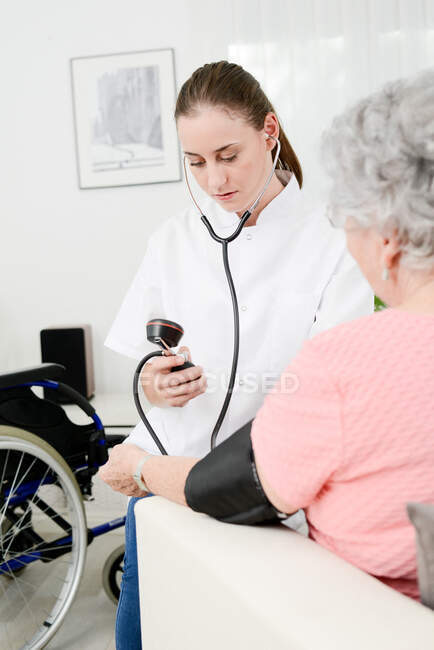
[(355, 441)]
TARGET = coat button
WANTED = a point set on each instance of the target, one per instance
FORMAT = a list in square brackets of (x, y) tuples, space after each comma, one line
[(243, 308), (241, 382), (249, 236)]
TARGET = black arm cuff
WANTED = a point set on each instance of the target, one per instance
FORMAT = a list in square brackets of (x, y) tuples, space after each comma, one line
[(225, 484)]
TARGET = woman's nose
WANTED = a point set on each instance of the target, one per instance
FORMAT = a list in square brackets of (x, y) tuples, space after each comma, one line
[(217, 178)]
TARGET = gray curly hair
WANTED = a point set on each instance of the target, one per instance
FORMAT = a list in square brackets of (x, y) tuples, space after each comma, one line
[(380, 157)]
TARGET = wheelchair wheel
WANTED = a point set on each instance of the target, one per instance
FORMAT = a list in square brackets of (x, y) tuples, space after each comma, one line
[(112, 573), (43, 540)]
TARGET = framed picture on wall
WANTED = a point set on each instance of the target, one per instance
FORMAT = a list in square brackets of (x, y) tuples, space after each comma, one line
[(123, 113)]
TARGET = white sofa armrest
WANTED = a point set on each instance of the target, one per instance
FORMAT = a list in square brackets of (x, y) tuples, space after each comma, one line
[(205, 585)]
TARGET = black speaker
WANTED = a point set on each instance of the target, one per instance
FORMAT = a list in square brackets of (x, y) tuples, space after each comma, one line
[(72, 347)]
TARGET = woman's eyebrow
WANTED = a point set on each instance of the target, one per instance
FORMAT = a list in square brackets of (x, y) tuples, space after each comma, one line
[(190, 153)]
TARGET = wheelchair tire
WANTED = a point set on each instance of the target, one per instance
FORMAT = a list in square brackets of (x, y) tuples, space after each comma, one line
[(112, 573), (33, 607)]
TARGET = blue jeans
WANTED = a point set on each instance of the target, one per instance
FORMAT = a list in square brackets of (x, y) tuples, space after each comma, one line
[(128, 636)]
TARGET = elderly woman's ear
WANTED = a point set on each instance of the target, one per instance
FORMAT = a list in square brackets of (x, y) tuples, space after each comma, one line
[(391, 250)]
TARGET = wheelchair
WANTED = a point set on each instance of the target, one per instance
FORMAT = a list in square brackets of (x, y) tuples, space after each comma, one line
[(46, 467)]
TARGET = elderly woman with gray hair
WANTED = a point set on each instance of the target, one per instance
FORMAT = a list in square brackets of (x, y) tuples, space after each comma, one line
[(355, 442)]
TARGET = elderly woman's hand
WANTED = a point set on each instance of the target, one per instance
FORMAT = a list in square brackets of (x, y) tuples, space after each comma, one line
[(119, 469)]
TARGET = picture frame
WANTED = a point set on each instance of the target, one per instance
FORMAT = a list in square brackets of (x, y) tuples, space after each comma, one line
[(125, 131)]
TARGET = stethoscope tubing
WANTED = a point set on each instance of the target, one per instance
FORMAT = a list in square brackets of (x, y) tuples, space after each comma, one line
[(156, 439)]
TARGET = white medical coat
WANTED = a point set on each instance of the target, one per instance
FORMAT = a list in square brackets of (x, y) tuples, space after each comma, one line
[(293, 277)]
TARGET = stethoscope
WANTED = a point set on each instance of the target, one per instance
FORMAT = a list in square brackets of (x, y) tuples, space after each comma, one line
[(168, 333)]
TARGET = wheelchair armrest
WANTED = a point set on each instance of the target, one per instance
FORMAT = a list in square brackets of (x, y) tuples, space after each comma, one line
[(34, 373)]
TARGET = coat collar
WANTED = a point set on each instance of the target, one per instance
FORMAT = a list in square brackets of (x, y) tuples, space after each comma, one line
[(285, 205)]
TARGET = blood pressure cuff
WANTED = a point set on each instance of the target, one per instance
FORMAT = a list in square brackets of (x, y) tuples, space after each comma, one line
[(225, 484)]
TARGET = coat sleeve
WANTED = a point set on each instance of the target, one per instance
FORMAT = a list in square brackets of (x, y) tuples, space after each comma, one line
[(347, 296)]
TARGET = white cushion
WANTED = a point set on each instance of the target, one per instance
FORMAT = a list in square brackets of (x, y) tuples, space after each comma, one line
[(205, 584)]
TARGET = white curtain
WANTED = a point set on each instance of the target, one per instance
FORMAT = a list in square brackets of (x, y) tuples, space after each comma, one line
[(314, 57)]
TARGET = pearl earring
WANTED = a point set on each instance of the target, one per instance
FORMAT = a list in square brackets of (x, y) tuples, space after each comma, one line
[(385, 274)]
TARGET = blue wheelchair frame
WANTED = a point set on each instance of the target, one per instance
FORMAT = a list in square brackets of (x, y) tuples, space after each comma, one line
[(29, 488)]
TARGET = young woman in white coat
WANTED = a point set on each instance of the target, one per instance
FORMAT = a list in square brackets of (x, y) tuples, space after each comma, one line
[(291, 271)]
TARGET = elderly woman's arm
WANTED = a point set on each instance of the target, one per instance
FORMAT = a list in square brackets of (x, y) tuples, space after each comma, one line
[(296, 439), (297, 434), (163, 475), (166, 476)]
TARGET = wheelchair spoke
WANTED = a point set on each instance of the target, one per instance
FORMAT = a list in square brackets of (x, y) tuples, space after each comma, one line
[(24, 564), (15, 487), (1, 485), (13, 534), (37, 502), (35, 587), (41, 482), (4, 468), (34, 552), (5, 593), (25, 474), (12, 488), (24, 598), (36, 555), (30, 503), (9, 535), (24, 582), (20, 581)]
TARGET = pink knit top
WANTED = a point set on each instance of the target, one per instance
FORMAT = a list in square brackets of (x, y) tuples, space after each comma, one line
[(348, 435)]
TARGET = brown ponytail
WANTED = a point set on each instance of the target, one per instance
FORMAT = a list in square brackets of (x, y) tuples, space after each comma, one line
[(229, 85)]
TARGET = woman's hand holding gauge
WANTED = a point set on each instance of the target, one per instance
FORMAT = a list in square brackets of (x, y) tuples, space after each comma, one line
[(163, 387)]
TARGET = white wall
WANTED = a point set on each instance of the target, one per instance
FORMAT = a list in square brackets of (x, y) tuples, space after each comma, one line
[(314, 57), (68, 255)]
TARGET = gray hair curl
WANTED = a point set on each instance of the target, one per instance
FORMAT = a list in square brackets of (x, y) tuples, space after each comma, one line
[(380, 157)]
